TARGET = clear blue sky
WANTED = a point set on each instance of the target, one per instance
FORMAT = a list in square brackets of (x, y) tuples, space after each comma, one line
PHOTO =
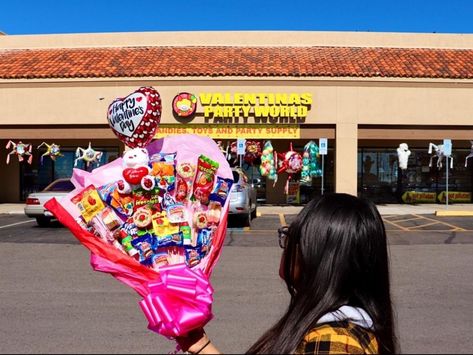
[(77, 16)]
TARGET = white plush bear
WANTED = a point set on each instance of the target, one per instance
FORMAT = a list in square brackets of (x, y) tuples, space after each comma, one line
[(135, 171)]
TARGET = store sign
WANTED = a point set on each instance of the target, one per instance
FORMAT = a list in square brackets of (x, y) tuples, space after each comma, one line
[(432, 197), (232, 131), (447, 147), (254, 108), (241, 146), (454, 196), (415, 197), (323, 146)]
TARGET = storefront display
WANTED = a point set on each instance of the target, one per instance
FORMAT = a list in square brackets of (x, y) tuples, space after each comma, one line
[(21, 150), (88, 155), (439, 153), (351, 88), (310, 163), (53, 151), (403, 153), (469, 155)]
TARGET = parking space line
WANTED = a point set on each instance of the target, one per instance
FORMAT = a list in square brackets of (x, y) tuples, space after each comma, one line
[(445, 223), (17, 223), (405, 220), (423, 225), (395, 225), (282, 219)]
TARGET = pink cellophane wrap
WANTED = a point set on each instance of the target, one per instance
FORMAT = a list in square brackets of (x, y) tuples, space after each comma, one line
[(176, 299)]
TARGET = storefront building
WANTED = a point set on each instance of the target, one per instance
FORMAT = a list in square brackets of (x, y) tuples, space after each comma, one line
[(364, 92)]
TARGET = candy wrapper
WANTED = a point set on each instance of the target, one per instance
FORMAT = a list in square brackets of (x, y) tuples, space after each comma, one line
[(162, 242)]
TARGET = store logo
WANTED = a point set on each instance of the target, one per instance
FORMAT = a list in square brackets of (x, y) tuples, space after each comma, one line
[(184, 106)]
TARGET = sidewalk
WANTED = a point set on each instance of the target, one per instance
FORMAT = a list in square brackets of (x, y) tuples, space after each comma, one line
[(459, 209), (388, 209)]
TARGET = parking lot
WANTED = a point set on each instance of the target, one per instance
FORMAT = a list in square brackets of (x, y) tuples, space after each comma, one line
[(58, 304)]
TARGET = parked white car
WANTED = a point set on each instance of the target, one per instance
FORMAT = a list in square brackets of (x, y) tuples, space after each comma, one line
[(35, 202), (242, 197)]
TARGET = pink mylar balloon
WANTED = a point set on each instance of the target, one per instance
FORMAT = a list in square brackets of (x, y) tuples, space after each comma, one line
[(135, 118)]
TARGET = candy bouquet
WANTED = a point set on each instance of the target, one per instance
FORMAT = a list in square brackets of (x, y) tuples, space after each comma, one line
[(155, 219)]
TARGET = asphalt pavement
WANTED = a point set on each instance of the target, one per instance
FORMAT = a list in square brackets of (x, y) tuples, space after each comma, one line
[(52, 301)]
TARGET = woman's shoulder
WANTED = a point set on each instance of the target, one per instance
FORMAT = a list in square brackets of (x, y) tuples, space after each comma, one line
[(340, 337)]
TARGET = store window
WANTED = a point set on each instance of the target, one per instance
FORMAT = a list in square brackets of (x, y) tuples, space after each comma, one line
[(380, 179), (37, 176), (298, 193)]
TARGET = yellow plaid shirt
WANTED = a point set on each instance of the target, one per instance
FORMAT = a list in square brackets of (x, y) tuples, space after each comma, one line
[(338, 338)]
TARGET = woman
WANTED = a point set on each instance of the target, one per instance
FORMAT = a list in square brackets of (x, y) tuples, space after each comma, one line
[(335, 265)]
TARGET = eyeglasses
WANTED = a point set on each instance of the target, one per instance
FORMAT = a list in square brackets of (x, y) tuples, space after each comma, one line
[(282, 236)]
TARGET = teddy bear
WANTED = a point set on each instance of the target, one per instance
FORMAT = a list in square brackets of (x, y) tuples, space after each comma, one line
[(136, 171)]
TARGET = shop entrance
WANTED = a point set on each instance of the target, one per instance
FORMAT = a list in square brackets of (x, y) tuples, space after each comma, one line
[(269, 192)]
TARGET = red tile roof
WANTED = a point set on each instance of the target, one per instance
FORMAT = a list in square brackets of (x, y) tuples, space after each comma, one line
[(236, 61)]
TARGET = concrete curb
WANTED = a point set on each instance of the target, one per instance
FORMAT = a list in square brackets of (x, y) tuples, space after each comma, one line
[(447, 213)]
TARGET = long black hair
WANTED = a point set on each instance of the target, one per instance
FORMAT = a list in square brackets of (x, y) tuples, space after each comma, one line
[(336, 254)]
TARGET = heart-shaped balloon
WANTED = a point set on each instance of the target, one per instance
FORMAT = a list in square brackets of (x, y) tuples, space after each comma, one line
[(135, 118)]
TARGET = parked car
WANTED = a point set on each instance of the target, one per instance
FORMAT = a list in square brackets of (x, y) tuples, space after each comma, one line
[(242, 197), (35, 201)]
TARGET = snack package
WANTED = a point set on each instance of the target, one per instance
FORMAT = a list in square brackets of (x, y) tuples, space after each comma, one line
[(176, 213), (166, 233), (122, 203), (145, 245), (214, 213), (163, 168), (185, 177), (149, 199), (204, 179), (221, 190), (89, 203)]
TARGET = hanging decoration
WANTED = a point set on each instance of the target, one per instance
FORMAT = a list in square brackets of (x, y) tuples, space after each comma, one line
[(268, 162), (469, 155), (135, 118), (310, 163), (252, 152), (21, 150), (52, 150), (439, 153), (290, 163), (88, 155), (403, 153)]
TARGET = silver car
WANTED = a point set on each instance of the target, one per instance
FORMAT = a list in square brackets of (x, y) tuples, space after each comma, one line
[(242, 197), (35, 202)]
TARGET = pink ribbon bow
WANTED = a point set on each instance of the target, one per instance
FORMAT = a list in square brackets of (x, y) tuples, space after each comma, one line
[(179, 302)]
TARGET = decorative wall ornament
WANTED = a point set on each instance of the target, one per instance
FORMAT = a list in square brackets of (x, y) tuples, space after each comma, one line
[(21, 150), (469, 155), (88, 155), (403, 153), (439, 154), (52, 150)]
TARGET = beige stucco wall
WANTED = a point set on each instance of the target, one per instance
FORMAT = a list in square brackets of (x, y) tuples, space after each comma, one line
[(345, 103), (361, 102)]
